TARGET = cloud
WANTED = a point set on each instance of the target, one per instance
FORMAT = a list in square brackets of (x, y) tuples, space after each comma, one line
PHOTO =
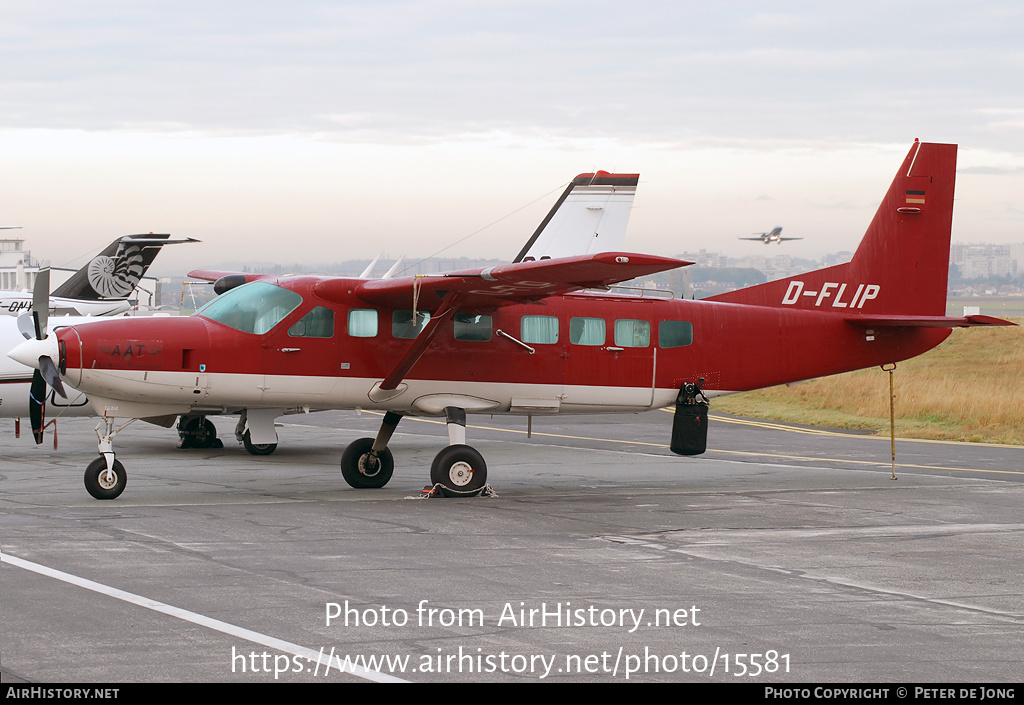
[(419, 70)]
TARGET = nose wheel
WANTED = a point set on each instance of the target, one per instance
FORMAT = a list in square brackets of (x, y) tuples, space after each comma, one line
[(103, 482), (105, 477)]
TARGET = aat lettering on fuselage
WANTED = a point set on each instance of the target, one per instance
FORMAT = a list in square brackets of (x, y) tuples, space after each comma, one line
[(121, 354), (833, 293)]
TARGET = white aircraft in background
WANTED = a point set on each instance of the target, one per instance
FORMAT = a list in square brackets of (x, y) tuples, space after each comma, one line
[(101, 287), (773, 235)]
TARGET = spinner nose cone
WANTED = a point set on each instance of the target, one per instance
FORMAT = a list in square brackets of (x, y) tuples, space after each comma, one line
[(29, 352)]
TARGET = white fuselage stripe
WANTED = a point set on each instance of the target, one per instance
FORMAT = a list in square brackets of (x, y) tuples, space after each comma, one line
[(187, 390)]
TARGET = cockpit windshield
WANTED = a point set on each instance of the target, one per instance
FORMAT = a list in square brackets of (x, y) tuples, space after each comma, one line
[(255, 307)]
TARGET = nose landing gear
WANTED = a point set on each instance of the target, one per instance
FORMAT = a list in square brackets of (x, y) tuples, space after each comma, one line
[(105, 478)]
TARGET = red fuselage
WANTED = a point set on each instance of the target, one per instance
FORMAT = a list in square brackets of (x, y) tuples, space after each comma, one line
[(592, 352)]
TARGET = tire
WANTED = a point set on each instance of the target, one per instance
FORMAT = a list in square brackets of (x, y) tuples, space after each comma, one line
[(357, 469), (100, 487), (257, 448), (199, 433), (460, 469)]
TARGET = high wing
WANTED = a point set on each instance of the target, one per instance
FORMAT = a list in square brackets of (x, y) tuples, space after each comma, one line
[(486, 287), (504, 284)]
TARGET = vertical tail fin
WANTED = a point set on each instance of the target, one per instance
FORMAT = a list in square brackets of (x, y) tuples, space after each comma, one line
[(590, 217), (115, 272), (902, 263)]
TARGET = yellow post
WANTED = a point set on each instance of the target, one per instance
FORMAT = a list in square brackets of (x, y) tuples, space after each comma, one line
[(892, 415)]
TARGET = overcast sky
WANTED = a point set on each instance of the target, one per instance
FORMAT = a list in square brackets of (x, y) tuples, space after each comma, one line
[(306, 132)]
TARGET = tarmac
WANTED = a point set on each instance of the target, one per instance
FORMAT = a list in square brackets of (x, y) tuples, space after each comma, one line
[(782, 555)]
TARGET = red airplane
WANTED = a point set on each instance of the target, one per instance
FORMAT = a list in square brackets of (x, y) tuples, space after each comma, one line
[(524, 338)]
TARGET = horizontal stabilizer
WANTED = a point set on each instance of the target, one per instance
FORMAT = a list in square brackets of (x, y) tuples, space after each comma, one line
[(926, 321)]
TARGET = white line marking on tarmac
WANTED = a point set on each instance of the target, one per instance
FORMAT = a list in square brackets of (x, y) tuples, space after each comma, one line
[(203, 621)]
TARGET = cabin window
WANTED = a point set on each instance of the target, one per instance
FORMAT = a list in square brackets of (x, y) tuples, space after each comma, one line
[(252, 308), (675, 334), (318, 323), (362, 322), (403, 326), (539, 329), (586, 331), (469, 326), (632, 333)]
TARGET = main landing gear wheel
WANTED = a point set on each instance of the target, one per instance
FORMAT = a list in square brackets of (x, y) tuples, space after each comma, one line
[(102, 483), (257, 448), (364, 470), (198, 432), (460, 469)]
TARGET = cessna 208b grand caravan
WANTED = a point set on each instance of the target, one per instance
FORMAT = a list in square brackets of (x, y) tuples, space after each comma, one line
[(523, 338)]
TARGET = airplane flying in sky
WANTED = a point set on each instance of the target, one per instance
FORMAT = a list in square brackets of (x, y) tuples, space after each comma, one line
[(103, 285), (773, 235), (525, 338), (590, 216)]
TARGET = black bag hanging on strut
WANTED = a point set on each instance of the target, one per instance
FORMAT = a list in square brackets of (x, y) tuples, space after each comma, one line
[(690, 423)]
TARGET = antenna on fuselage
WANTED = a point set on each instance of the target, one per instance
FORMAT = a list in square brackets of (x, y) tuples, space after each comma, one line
[(394, 268), (369, 268)]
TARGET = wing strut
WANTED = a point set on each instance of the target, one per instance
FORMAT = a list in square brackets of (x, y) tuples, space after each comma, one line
[(449, 305)]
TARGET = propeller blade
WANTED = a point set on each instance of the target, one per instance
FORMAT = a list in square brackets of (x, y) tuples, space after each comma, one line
[(41, 302), (36, 398), (50, 374), (27, 325)]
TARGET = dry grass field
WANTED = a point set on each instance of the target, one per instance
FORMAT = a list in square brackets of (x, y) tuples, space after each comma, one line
[(970, 388)]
